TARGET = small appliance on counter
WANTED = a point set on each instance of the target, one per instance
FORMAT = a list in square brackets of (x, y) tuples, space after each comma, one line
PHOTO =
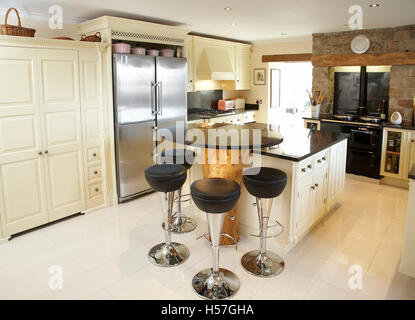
[(396, 118), (226, 104), (239, 103)]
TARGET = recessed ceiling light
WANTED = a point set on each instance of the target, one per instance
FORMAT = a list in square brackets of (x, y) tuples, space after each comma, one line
[(374, 5), (233, 24), (227, 8)]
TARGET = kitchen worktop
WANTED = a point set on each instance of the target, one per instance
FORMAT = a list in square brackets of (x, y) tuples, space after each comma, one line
[(398, 126), (300, 143), (294, 144), (192, 116)]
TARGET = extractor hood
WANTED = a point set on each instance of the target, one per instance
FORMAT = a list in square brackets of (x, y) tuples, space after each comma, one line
[(216, 64)]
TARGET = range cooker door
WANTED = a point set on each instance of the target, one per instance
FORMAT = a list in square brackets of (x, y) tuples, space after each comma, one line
[(362, 162)]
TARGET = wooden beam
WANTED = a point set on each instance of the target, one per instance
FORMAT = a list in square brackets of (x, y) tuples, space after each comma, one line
[(366, 59), (299, 57)]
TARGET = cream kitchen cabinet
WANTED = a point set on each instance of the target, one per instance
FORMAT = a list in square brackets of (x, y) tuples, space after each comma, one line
[(336, 177), (189, 54), (243, 67), (400, 154), (214, 59), (312, 189), (311, 182), (42, 130)]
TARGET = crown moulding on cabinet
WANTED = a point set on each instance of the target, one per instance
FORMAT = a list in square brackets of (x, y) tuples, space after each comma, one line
[(367, 59)]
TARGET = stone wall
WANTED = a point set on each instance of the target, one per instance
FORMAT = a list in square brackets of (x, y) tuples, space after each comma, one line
[(398, 39)]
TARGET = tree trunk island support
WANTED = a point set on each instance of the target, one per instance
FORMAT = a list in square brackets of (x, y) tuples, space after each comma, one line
[(225, 167)]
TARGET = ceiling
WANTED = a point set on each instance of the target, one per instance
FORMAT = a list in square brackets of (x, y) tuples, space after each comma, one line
[(258, 21)]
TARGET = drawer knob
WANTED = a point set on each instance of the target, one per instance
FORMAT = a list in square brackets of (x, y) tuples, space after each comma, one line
[(319, 161), (313, 187), (324, 158), (303, 170), (39, 153), (95, 172), (94, 154), (316, 185), (309, 166), (46, 151), (96, 189)]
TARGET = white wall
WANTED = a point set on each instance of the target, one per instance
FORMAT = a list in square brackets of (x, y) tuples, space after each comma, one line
[(262, 92)]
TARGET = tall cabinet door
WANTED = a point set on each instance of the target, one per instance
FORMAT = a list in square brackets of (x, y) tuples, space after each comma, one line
[(243, 67), (22, 181), (61, 126)]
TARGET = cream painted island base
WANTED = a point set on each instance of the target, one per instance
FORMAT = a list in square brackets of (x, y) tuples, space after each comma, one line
[(313, 188)]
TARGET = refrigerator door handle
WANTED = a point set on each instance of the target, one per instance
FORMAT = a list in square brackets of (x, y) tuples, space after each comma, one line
[(153, 98), (159, 98)]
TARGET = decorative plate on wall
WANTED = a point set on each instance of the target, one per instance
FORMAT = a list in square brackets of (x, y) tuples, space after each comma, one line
[(360, 44)]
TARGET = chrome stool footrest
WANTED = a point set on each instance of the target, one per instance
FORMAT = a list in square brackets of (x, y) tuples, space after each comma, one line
[(269, 227), (235, 243)]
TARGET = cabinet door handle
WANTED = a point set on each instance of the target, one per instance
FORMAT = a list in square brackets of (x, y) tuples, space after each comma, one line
[(412, 140), (324, 158), (316, 185), (303, 170), (95, 172), (46, 151), (96, 189), (313, 187), (39, 153), (319, 161), (309, 166), (94, 154)]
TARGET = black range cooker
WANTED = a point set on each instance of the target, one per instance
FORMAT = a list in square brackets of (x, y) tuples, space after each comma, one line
[(364, 143)]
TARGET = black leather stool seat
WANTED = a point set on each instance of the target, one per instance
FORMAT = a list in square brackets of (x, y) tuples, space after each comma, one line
[(179, 156), (166, 177), (268, 183), (215, 195)]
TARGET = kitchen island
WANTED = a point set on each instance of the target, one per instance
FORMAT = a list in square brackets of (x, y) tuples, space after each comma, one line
[(314, 162)]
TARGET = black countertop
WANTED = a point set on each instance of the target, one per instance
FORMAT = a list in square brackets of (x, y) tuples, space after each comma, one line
[(411, 174), (192, 116), (294, 144), (300, 143), (398, 126)]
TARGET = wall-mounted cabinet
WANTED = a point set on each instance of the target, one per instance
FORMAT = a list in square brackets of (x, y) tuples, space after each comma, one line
[(228, 63), (189, 54), (243, 67)]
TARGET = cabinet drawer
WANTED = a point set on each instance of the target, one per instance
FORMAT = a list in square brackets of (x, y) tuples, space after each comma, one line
[(95, 189), (94, 172), (321, 159), (305, 167), (94, 154)]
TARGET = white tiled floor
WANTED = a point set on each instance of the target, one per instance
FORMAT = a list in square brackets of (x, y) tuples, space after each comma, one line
[(103, 255)]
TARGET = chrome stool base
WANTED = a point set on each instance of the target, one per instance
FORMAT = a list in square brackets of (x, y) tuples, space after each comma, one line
[(215, 285), (164, 255), (181, 225), (265, 265)]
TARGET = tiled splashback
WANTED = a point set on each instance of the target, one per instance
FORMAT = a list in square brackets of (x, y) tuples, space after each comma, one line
[(203, 99)]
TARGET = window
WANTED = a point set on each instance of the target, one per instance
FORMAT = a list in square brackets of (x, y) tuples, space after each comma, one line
[(289, 84)]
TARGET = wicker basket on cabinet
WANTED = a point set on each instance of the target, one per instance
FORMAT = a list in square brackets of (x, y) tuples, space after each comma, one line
[(18, 30)]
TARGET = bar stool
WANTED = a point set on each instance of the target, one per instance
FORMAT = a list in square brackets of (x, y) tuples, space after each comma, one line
[(180, 223), (167, 178), (264, 184), (215, 196)]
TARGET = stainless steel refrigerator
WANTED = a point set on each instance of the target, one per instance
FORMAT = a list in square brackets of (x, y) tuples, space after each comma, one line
[(149, 93)]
